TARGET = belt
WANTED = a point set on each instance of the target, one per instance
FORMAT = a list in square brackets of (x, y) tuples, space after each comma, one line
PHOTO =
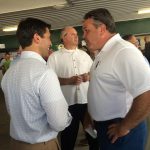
[(115, 120), (44, 143)]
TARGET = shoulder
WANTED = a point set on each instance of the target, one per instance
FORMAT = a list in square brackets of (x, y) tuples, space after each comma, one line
[(53, 58), (49, 75), (56, 54), (122, 49), (83, 53)]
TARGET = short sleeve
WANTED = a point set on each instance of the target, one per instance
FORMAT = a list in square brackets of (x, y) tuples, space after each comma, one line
[(132, 70)]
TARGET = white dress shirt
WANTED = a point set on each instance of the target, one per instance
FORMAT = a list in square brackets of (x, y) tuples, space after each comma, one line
[(37, 107), (68, 63), (119, 74)]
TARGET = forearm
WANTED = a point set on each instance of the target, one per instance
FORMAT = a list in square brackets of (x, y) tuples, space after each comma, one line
[(74, 80), (64, 81), (139, 111), (57, 114), (87, 120)]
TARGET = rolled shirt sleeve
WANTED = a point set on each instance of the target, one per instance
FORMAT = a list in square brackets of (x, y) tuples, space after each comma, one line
[(53, 102)]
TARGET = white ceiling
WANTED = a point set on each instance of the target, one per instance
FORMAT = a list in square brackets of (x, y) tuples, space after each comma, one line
[(7, 6), (12, 11)]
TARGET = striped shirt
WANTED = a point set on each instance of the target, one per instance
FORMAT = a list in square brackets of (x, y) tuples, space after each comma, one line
[(37, 107)]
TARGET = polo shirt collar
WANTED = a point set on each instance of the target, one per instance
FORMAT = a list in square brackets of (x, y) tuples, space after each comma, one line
[(109, 44)]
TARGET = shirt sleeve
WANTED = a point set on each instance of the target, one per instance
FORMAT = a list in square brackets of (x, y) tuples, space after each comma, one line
[(132, 71), (53, 102)]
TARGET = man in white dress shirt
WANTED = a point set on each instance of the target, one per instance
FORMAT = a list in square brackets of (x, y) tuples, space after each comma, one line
[(72, 67), (118, 72), (37, 107)]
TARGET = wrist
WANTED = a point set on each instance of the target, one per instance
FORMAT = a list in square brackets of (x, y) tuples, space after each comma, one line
[(124, 127)]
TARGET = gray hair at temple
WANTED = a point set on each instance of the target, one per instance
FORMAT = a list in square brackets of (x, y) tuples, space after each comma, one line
[(63, 32)]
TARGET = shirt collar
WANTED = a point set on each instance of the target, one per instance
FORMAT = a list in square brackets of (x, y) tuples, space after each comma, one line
[(110, 43), (69, 50), (31, 54)]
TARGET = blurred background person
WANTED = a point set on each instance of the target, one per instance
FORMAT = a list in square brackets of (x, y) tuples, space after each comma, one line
[(147, 51), (132, 39), (17, 57), (6, 63), (72, 67)]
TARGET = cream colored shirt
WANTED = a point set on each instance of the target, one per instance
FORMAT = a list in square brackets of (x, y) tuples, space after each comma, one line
[(68, 63)]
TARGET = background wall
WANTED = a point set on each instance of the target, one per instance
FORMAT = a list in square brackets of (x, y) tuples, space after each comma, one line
[(137, 27)]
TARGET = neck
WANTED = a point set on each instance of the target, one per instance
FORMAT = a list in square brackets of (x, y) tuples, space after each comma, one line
[(32, 48), (70, 47), (109, 36)]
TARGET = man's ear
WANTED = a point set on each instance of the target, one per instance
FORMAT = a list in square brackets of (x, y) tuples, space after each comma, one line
[(36, 38), (103, 28)]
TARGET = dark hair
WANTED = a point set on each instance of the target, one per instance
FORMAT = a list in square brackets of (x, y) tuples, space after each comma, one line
[(127, 37), (147, 51), (102, 15), (27, 28)]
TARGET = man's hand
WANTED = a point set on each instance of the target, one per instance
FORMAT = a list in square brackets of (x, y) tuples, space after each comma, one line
[(85, 77), (76, 80), (87, 121), (115, 131)]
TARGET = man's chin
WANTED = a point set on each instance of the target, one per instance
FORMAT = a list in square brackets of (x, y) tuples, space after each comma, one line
[(90, 47)]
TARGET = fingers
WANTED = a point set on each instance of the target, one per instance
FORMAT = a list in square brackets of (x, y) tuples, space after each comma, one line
[(114, 138), (112, 132), (115, 131), (112, 126), (85, 77), (77, 80), (112, 135)]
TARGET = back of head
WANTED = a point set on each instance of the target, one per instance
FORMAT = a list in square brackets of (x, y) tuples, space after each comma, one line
[(147, 51), (7, 56), (146, 39), (127, 37), (132, 39), (102, 15), (147, 46), (27, 28)]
